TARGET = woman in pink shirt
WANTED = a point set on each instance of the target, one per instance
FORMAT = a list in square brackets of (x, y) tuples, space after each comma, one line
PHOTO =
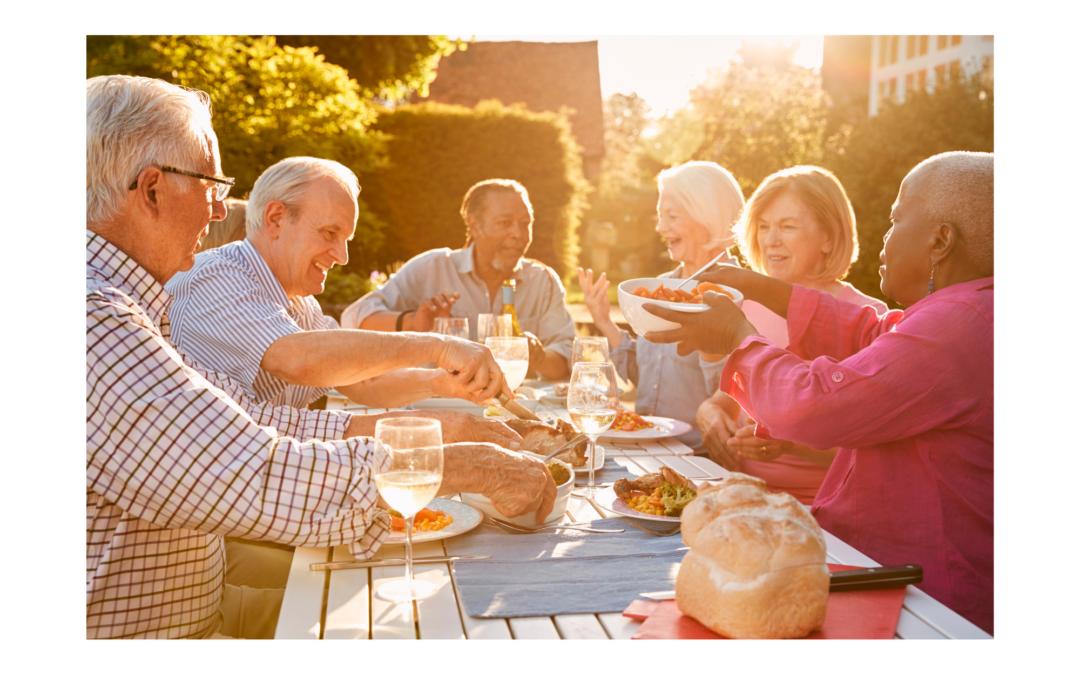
[(908, 396), (798, 227)]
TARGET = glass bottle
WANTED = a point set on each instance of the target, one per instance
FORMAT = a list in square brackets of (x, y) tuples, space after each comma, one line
[(508, 306)]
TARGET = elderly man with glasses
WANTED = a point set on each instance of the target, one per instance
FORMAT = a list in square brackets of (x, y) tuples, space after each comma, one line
[(176, 456)]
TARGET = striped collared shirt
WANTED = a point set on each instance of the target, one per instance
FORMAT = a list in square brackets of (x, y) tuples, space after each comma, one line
[(229, 308), (177, 457)]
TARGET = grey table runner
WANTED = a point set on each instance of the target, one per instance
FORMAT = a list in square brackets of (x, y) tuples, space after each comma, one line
[(562, 571)]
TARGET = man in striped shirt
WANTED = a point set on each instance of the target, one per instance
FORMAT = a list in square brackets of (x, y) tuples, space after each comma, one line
[(248, 310), (176, 456)]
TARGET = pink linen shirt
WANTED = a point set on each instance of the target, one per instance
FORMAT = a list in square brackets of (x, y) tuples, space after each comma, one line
[(798, 477), (909, 398)]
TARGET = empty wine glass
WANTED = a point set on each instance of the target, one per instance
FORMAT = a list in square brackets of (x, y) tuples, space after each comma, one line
[(457, 326), (592, 401), (408, 484), (590, 349), (486, 327), (512, 355)]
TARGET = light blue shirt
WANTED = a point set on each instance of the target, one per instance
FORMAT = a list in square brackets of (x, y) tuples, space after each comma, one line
[(668, 385), (229, 308)]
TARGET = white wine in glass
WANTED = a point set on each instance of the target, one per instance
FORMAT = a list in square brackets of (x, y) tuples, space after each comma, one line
[(592, 401), (512, 355), (409, 484)]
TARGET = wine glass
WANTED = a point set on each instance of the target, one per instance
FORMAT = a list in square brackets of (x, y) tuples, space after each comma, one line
[(512, 355), (590, 349), (456, 326), (408, 485), (486, 327), (592, 401)]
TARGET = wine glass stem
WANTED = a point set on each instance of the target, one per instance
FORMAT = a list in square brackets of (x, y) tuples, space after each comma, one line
[(592, 462), (408, 550)]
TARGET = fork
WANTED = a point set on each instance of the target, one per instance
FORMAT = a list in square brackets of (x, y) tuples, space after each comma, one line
[(520, 529)]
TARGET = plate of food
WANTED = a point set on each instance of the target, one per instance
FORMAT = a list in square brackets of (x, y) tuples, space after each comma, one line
[(655, 496), (442, 519), (631, 426)]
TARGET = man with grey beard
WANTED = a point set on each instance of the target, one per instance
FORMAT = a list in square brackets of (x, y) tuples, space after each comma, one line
[(469, 281)]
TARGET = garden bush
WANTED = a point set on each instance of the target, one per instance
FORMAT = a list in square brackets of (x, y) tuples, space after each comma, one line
[(437, 152)]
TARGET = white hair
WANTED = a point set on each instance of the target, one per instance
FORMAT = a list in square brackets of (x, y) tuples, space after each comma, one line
[(958, 188), (288, 181), (711, 196), (135, 122)]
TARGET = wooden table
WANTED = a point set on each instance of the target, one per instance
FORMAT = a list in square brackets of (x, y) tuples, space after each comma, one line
[(343, 605)]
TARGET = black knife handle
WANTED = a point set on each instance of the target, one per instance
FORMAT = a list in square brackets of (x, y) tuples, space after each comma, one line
[(872, 578)]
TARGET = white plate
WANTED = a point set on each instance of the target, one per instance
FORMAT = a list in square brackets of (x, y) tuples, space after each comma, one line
[(607, 499), (465, 518), (663, 427), (599, 460)]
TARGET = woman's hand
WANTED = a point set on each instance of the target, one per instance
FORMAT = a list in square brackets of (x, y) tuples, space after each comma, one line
[(718, 330), (747, 446), (718, 422), (596, 297)]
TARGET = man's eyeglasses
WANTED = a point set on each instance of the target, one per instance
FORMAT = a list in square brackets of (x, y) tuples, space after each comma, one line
[(221, 190)]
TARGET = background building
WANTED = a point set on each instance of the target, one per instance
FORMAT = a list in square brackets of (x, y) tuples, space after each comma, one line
[(903, 63), (545, 76)]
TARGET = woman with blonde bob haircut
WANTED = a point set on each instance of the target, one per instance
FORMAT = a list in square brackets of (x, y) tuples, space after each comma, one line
[(698, 210), (798, 227)]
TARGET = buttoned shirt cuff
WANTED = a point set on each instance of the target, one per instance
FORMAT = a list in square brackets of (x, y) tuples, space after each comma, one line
[(731, 378), (378, 530)]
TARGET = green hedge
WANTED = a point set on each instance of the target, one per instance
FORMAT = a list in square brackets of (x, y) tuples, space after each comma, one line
[(437, 152)]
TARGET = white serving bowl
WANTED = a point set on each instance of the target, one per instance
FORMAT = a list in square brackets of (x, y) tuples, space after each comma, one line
[(562, 498), (633, 306)]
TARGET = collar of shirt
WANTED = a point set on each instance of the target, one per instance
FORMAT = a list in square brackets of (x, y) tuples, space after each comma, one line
[(129, 277), (963, 287), (250, 256)]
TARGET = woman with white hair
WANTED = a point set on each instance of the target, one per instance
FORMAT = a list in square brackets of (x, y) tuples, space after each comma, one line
[(699, 205), (798, 227)]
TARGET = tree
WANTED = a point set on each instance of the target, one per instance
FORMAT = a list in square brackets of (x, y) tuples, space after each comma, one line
[(386, 67), (272, 102)]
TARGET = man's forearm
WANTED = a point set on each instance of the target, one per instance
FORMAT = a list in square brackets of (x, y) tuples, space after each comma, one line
[(333, 358), (772, 293), (385, 322), (554, 367), (398, 388)]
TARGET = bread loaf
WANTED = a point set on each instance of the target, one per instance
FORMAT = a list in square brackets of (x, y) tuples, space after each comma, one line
[(756, 565)]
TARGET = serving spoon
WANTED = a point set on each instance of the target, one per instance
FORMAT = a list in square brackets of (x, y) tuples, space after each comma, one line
[(700, 271)]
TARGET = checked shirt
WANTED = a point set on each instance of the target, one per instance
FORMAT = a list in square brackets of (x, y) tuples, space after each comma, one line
[(177, 458)]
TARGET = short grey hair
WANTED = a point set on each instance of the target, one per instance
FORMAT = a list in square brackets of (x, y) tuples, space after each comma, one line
[(135, 122), (288, 181), (958, 188), (710, 195)]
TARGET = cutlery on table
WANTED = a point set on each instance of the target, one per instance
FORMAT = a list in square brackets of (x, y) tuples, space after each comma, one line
[(386, 562), (516, 409), (869, 579), (521, 529)]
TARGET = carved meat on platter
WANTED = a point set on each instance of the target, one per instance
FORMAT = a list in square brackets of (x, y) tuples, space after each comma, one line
[(543, 438)]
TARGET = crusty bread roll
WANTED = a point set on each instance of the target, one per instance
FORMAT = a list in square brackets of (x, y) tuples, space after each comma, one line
[(756, 565)]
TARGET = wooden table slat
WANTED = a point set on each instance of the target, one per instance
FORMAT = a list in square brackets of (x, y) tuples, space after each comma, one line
[(348, 602), (580, 627), (481, 629), (618, 626), (301, 607), (911, 627), (534, 628)]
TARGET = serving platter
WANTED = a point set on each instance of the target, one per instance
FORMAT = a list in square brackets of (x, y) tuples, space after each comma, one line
[(663, 427), (465, 518)]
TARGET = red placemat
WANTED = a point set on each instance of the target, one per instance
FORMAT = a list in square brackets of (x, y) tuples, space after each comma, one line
[(852, 615)]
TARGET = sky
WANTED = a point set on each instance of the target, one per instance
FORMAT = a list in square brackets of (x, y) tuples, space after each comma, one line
[(663, 69)]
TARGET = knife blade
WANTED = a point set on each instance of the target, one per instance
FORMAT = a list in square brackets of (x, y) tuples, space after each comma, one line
[(388, 562), (516, 408), (868, 579)]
